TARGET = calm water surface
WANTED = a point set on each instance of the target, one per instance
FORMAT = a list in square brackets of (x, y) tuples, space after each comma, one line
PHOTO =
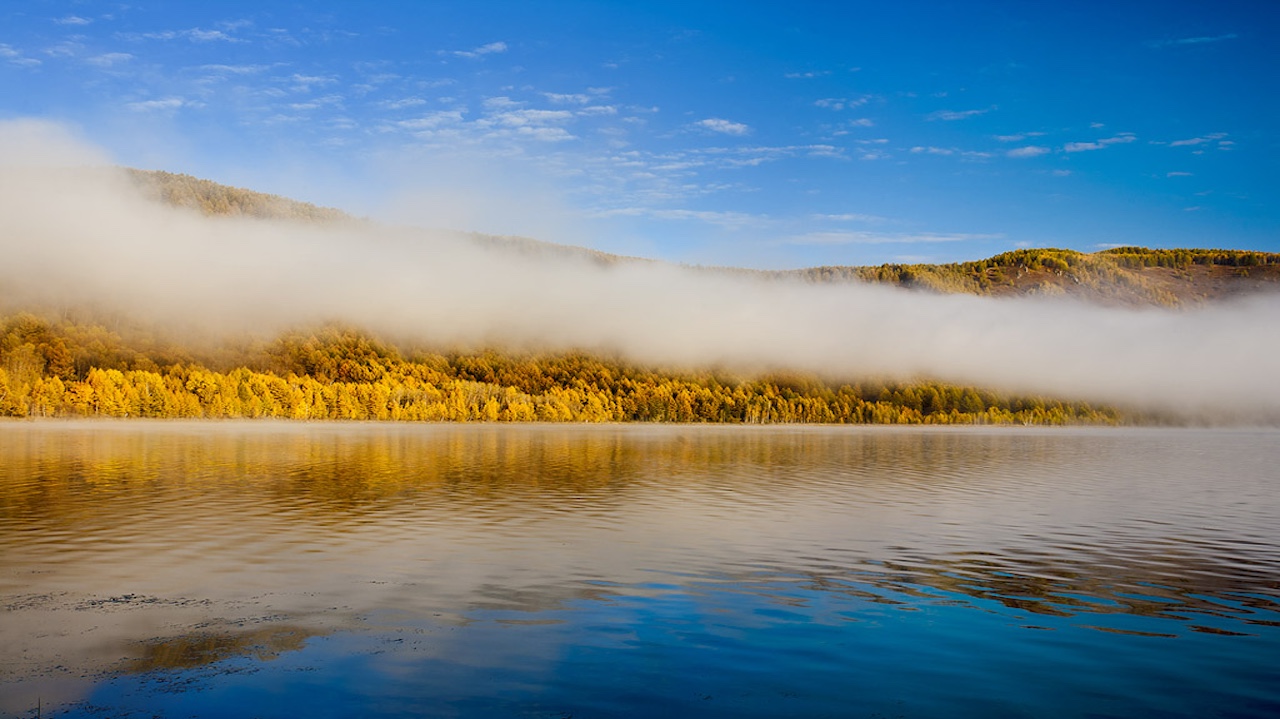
[(282, 570)]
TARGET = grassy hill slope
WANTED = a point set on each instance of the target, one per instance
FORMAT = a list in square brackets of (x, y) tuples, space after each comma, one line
[(1124, 276)]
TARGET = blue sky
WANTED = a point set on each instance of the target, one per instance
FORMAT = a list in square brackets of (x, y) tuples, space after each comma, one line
[(751, 134)]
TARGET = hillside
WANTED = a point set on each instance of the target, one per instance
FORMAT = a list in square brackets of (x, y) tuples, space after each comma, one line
[(1124, 276), (76, 361)]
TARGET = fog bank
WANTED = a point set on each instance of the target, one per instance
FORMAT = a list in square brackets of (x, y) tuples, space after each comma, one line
[(71, 236)]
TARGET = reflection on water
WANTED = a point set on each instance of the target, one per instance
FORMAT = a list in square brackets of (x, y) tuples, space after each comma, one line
[(479, 571)]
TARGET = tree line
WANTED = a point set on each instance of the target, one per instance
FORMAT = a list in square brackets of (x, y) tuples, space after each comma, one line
[(61, 368)]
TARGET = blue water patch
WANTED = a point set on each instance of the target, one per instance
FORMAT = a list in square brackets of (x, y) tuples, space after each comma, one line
[(760, 649)]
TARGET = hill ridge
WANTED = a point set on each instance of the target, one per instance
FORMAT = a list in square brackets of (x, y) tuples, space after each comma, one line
[(1119, 276)]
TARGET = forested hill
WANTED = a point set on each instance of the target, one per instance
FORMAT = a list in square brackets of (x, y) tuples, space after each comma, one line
[(1128, 276), (212, 198), (73, 362)]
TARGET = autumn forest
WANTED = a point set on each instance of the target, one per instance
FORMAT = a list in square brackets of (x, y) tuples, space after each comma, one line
[(67, 363)]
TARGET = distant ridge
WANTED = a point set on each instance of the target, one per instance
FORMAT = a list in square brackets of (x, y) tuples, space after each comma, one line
[(1122, 276)]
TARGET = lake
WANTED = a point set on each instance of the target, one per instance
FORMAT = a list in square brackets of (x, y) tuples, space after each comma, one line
[(228, 569)]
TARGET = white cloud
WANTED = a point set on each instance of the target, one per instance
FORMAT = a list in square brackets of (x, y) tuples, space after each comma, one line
[(806, 75), (730, 220), (1194, 40), (168, 103), (966, 154), (198, 35), (194, 34), (15, 57), (520, 118), (841, 103), (73, 20), (1017, 137), (1028, 151), (1199, 140), (109, 59), (1120, 139), (501, 102), (304, 83), (317, 103), (234, 69), (490, 49), (853, 217), (716, 124), (950, 115), (885, 238), (538, 125), (64, 49), (431, 121), (403, 103), (826, 151), (1177, 174), (567, 99), (1061, 173)]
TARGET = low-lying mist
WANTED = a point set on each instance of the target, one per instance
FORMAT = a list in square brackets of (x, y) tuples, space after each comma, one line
[(74, 231)]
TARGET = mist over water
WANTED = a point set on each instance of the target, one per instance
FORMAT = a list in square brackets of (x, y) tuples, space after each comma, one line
[(72, 237)]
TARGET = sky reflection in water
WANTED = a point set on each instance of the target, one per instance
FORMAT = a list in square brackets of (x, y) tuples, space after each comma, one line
[(205, 568)]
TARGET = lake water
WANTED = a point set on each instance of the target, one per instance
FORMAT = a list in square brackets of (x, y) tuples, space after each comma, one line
[(176, 569)]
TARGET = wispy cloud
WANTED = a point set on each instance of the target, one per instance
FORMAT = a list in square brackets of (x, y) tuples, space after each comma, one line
[(15, 57), (1203, 139), (951, 115), (1120, 139), (73, 20), (853, 217), (947, 151), (1028, 151), (537, 125), (1017, 137), (567, 98), (919, 150), (194, 34), (305, 83), (234, 69), (327, 100), (492, 48), (728, 220), (168, 103), (806, 75), (841, 103), (886, 238), (1201, 40), (432, 121), (109, 59), (722, 126), (1177, 174), (402, 103)]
